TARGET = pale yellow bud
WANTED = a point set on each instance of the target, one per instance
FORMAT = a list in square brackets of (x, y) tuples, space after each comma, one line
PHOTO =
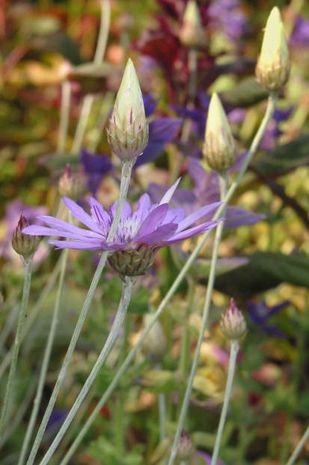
[(273, 66), (192, 33), (219, 147), (233, 325), (128, 127), (155, 343)]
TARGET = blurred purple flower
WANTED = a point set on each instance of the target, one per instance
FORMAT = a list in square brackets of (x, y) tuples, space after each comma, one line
[(55, 421), (227, 16), (207, 458), (151, 224), (300, 34), (12, 216), (95, 167), (260, 313), (273, 130), (205, 191)]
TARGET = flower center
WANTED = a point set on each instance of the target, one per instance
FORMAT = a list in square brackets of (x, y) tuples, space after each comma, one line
[(127, 229)]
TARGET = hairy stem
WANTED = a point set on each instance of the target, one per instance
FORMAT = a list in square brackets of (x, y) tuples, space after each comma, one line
[(299, 447), (125, 181), (109, 344), (206, 309), (226, 401), (122, 369), (45, 362), (9, 392)]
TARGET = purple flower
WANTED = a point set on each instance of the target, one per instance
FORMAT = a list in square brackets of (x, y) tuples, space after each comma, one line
[(96, 167), (207, 458), (150, 225), (300, 34), (260, 313), (206, 191), (273, 130), (227, 15)]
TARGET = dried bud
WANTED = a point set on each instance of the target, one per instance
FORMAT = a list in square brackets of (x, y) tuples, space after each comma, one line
[(233, 324), (219, 146), (71, 185), (24, 244), (128, 128), (192, 33), (133, 262), (154, 345), (186, 448), (273, 66)]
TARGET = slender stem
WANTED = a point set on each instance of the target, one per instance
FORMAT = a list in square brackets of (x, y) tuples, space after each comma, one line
[(82, 123), (28, 324), (97, 131), (226, 401), (162, 415), (46, 359), (125, 181), (103, 32), (8, 327), (122, 369), (64, 115), (206, 309), (299, 447), (9, 392), (109, 344)]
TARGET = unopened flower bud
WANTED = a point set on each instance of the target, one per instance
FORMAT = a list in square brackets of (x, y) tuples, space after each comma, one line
[(128, 128), (23, 244), (133, 262), (273, 66), (71, 185), (219, 148), (154, 345), (233, 325), (186, 448), (192, 33)]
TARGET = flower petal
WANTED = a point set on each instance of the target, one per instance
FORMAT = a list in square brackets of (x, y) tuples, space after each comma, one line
[(81, 215), (65, 226), (192, 231), (170, 192), (77, 245), (152, 221), (195, 216), (159, 235)]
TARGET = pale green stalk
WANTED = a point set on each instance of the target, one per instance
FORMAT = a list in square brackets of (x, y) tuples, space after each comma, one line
[(35, 311), (98, 58), (125, 181), (299, 447), (46, 359), (127, 289), (96, 132), (10, 388), (8, 327), (136, 349), (162, 415), (206, 309), (227, 396), (64, 116)]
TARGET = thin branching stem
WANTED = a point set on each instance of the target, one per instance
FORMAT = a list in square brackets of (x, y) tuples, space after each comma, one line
[(299, 447)]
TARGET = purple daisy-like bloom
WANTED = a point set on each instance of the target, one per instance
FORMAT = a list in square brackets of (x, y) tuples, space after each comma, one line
[(206, 191), (140, 232)]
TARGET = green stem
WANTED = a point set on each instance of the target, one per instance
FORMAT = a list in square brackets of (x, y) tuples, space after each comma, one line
[(109, 344), (125, 181), (226, 401), (64, 115), (18, 338), (210, 286), (299, 447), (103, 32), (29, 323), (46, 359), (122, 369)]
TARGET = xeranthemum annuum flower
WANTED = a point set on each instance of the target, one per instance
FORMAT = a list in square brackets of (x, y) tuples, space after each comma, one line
[(146, 228)]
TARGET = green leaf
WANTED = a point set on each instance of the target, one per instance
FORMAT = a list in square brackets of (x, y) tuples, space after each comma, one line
[(265, 270), (248, 92), (284, 158)]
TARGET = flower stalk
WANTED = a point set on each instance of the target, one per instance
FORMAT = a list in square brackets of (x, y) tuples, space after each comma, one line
[(127, 289), (206, 309), (299, 447), (130, 357), (18, 338), (227, 396)]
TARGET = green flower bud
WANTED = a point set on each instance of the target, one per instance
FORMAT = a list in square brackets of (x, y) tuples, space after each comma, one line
[(273, 66), (233, 325), (133, 262), (219, 148), (186, 448), (23, 244), (128, 128), (154, 345), (192, 33), (71, 185)]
